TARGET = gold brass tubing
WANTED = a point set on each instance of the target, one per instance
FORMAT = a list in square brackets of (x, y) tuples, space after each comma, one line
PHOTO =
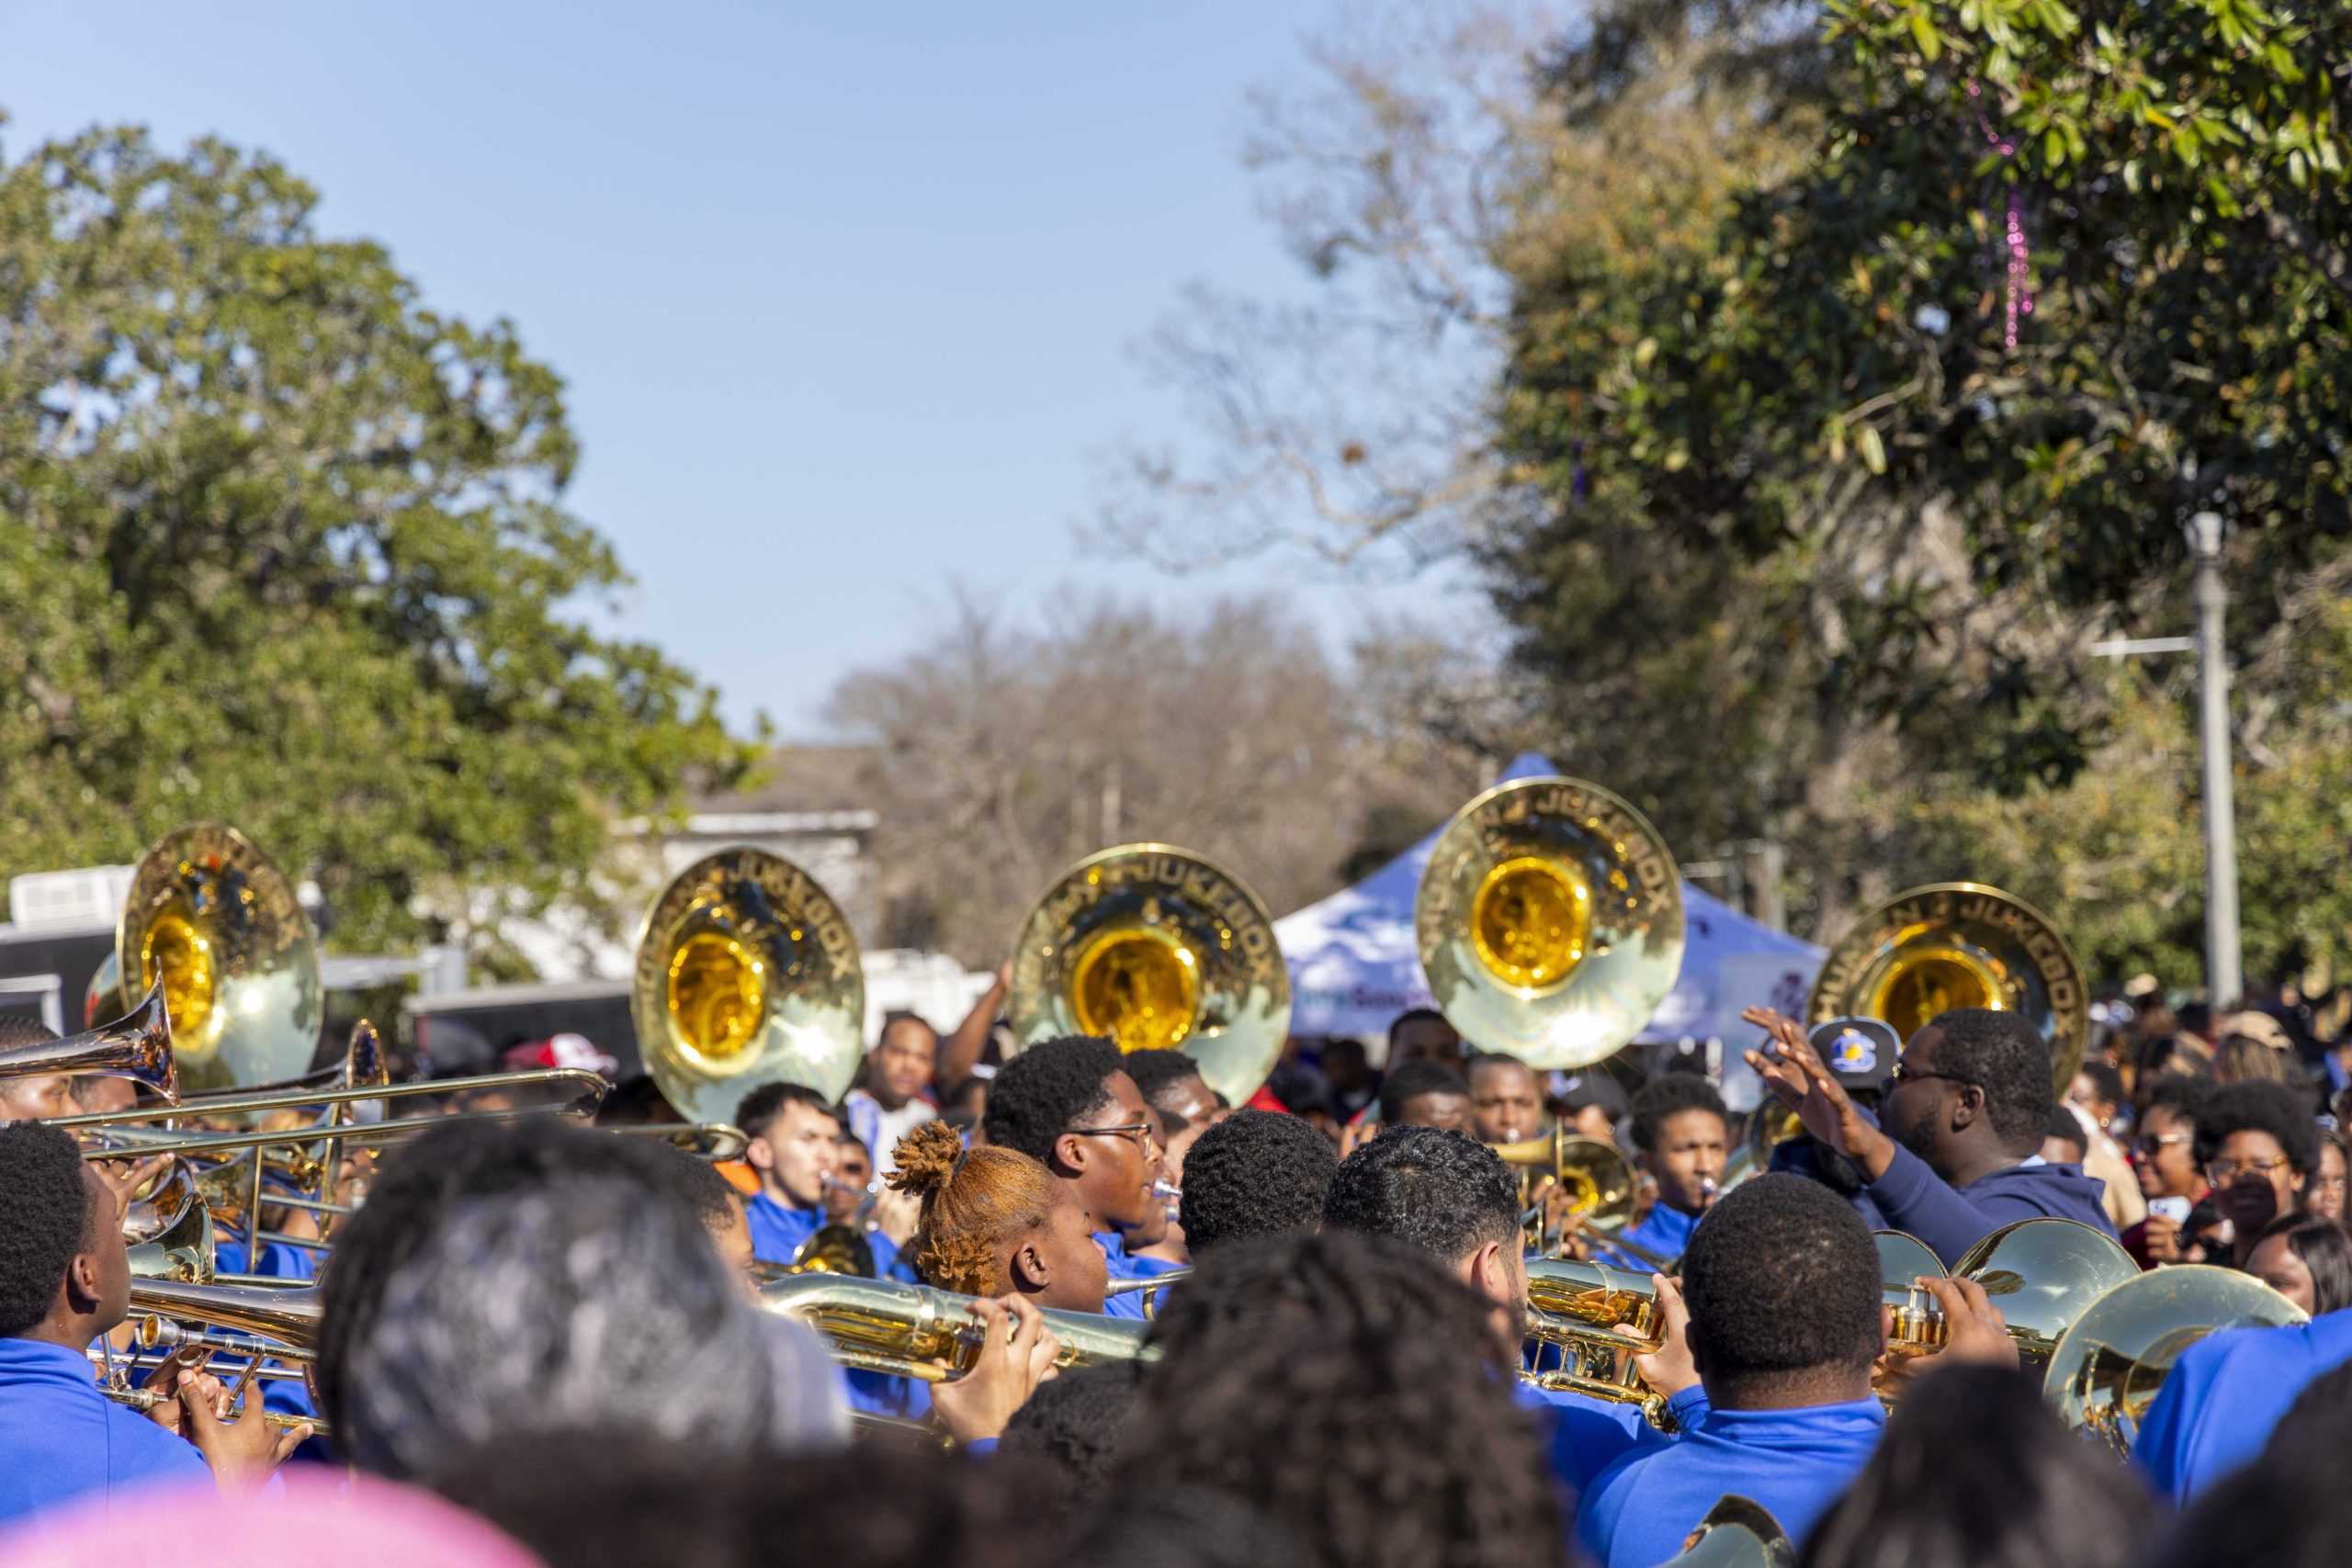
[(144, 1399), (357, 1132), (591, 1086), (157, 1332)]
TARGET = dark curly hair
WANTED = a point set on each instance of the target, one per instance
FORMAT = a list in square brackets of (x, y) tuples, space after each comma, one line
[(1671, 1094), (2176, 1092), (1440, 1192), (1255, 1173), (694, 1184), (1181, 1526), (49, 1220), (1980, 1433), (1154, 1070), (2003, 1055), (2259, 1106), (615, 1499), (419, 1184), (1306, 1376), (1782, 1281), (1047, 1089), (1414, 1079), (1073, 1423)]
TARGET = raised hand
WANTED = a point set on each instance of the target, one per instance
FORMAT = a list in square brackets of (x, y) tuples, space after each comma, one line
[(1795, 1075)]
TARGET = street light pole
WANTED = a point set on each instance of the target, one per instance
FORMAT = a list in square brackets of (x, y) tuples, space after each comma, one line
[(2224, 986)]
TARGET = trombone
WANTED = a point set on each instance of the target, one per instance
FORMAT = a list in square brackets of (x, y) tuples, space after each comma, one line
[(137, 1046), (1599, 1180), (916, 1331), (284, 1324)]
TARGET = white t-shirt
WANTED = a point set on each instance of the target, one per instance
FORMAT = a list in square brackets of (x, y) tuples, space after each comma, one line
[(880, 1130)]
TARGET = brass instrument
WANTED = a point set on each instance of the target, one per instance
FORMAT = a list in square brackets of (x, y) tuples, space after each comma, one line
[(1150, 1286), (834, 1250), (2044, 1274), (181, 1250), (137, 1046), (284, 1322), (716, 1142), (746, 974), (1959, 944), (1576, 1307), (1738, 1532), (1599, 1180), (1156, 948), (219, 928), (588, 1090), (915, 1331), (2111, 1364), (1770, 1126), (1549, 921)]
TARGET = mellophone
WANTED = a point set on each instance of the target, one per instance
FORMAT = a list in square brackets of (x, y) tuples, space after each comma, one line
[(1548, 922)]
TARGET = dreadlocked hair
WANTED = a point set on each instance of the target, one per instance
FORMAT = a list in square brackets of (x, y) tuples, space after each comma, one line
[(1303, 1374), (977, 1205)]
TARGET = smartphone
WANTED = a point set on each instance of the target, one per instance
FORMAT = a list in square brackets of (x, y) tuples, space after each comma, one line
[(2173, 1208)]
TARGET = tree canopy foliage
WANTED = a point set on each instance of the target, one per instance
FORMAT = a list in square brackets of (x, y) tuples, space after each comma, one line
[(282, 546), (1858, 367)]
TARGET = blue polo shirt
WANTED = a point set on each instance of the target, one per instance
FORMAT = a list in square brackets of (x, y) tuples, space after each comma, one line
[(1584, 1436), (1664, 1230), (1120, 1265), (1795, 1462), (2223, 1397), (62, 1439), (779, 1229)]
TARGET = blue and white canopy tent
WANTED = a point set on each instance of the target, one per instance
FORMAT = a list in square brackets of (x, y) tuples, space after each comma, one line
[(1353, 967)]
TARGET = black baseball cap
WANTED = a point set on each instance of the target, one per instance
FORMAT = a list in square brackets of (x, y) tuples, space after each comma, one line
[(1859, 1052)]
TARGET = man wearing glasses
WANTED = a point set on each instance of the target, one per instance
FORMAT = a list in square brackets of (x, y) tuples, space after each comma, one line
[(1069, 1105), (1959, 1156)]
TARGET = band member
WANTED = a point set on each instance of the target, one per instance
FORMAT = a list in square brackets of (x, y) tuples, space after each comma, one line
[(64, 1284), (995, 1223), (1172, 1085), (1256, 1173), (33, 1097), (1450, 1196), (1682, 1137), (2224, 1394), (1783, 1286), (1424, 1093), (1964, 1113), (795, 1152), (1506, 1099), (1069, 1105)]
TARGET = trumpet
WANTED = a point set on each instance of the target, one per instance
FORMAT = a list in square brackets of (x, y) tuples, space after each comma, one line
[(284, 1324), (1151, 1287), (1599, 1180), (915, 1331)]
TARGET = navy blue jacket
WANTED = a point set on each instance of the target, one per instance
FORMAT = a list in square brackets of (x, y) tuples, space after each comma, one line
[(1950, 1219)]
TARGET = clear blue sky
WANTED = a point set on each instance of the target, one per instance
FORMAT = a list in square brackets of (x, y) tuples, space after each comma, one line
[(843, 293)]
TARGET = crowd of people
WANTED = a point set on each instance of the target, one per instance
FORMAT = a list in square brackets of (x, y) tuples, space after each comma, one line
[(536, 1342)]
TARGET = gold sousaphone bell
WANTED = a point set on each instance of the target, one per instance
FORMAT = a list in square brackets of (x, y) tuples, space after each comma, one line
[(1959, 944), (218, 926), (1156, 948), (746, 974), (1549, 921)]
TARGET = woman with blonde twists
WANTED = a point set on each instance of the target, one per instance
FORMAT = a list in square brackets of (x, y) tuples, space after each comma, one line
[(996, 1223)]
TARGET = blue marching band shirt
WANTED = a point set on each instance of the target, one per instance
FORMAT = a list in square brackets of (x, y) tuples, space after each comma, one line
[(61, 1440)]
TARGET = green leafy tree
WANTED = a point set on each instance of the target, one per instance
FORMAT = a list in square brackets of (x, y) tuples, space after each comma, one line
[(283, 547), (1837, 490)]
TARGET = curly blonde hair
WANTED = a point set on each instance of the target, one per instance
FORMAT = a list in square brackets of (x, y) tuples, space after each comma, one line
[(977, 1205)]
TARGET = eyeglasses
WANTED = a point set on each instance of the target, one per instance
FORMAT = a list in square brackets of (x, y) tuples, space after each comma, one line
[(1905, 1075), (2222, 1172), (1143, 1133), (2150, 1143)]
